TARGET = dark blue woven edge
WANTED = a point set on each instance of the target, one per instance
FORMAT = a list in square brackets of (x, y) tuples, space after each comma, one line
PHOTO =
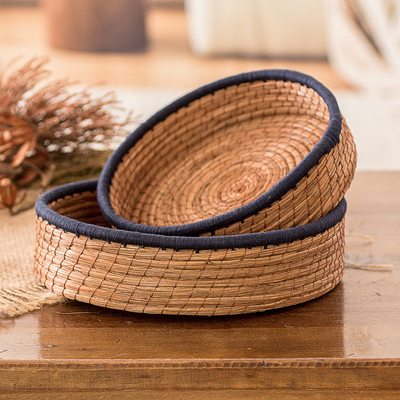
[(329, 139), (175, 242)]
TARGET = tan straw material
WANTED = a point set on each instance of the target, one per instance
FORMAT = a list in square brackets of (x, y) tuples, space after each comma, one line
[(227, 149), (80, 259)]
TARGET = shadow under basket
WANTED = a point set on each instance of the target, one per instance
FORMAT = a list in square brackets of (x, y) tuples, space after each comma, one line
[(80, 257), (261, 151)]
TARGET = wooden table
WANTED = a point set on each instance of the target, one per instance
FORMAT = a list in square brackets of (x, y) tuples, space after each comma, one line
[(343, 345)]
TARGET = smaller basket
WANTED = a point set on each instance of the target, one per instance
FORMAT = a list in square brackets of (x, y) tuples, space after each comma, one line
[(260, 151), (80, 257)]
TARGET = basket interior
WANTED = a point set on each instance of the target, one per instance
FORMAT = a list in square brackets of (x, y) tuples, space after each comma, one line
[(219, 153), (82, 207)]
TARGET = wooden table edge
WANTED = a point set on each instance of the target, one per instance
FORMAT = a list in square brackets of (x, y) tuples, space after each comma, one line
[(206, 374)]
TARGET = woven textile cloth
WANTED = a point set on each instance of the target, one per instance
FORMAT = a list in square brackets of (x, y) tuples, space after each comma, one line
[(20, 292)]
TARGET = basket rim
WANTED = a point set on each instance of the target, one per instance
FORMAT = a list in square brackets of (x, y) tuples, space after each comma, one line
[(123, 237), (329, 139)]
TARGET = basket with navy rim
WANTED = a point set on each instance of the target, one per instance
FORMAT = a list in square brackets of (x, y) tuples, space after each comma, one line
[(80, 256), (255, 152)]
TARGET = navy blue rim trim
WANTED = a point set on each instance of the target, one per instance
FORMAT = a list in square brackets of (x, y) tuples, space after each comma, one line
[(175, 242), (329, 139)]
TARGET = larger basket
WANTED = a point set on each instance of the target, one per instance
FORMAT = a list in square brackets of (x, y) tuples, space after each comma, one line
[(78, 256), (260, 151)]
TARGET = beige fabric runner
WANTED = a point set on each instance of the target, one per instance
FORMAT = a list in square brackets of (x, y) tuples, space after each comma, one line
[(20, 292)]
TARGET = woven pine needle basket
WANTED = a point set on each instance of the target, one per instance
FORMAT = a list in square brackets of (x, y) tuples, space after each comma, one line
[(260, 151), (80, 257)]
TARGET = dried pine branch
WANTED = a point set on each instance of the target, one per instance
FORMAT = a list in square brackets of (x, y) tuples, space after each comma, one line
[(17, 84), (42, 122)]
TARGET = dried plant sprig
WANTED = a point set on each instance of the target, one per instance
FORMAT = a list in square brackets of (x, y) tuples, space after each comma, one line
[(9, 195), (15, 85), (43, 121), (72, 122), (17, 137)]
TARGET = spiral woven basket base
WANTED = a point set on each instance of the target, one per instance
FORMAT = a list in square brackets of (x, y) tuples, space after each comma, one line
[(226, 150), (156, 280)]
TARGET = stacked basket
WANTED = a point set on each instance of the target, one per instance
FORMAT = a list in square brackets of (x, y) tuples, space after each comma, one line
[(229, 200)]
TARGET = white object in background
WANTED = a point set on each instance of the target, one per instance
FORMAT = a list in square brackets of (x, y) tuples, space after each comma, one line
[(374, 121), (364, 42), (289, 28), (364, 48)]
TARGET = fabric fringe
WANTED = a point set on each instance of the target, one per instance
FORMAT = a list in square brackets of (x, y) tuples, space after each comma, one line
[(17, 301), (20, 291)]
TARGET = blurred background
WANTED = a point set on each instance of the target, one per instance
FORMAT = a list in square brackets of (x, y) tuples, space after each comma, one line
[(152, 51)]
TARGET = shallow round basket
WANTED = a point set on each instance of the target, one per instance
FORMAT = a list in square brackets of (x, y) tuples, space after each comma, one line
[(78, 256), (255, 152)]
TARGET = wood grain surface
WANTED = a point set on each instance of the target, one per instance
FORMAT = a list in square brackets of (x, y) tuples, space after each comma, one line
[(342, 345)]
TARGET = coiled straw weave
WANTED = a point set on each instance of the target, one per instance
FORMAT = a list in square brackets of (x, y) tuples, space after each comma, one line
[(261, 151), (80, 257)]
